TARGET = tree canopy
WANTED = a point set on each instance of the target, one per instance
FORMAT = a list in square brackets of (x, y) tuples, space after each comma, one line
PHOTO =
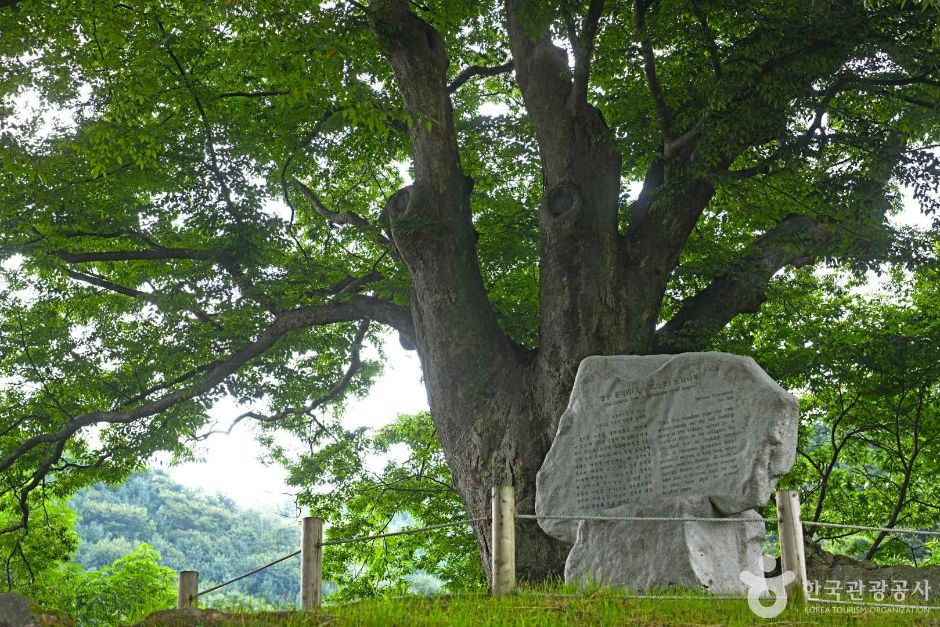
[(230, 198)]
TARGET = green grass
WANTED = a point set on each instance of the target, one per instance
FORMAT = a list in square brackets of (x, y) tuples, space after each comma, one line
[(599, 607)]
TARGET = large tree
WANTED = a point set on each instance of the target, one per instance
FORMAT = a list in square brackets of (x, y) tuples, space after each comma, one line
[(214, 198)]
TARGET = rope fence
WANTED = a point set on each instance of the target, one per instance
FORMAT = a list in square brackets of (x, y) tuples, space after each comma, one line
[(404, 532), (729, 519), (248, 574), (666, 597), (503, 550), (311, 574), (899, 530)]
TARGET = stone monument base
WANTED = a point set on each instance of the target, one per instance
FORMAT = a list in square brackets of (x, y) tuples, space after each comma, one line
[(647, 555)]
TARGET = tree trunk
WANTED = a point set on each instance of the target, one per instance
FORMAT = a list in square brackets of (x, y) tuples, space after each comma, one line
[(500, 437), (500, 440), (496, 405), (482, 389)]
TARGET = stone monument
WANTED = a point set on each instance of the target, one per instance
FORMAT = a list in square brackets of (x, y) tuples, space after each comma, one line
[(689, 435)]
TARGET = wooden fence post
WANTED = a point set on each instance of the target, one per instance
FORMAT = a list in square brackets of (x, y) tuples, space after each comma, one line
[(187, 589), (792, 552), (503, 540), (311, 563)]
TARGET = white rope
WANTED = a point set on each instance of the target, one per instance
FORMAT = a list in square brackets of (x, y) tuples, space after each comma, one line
[(404, 532), (870, 604), (642, 518), (662, 597), (921, 532)]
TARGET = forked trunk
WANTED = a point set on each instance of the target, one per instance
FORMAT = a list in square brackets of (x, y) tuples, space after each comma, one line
[(496, 405)]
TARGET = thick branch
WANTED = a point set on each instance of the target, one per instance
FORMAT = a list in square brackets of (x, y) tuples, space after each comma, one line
[(709, 36), (899, 81), (803, 140), (649, 68), (658, 237), (464, 353), (356, 308), (920, 102), (306, 140), (333, 217), (335, 392), (579, 244), (478, 70), (252, 94), (248, 288), (887, 92), (100, 281), (416, 52), (133, 255), (352, 284), (797, 240), (34, 481), (652, 181), (543, 76), (584, 51), (186, 376), (685, 143), (431, 220)]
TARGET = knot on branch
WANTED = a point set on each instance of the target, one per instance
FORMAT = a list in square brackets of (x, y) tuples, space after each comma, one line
[(548, 73), (413, 218), (407, 342), (562, 200), (397, 204)]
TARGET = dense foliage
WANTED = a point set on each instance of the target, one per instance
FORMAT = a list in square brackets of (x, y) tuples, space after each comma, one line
[(117, 593), (231, 198), (134, 587), (51, 542), (864, 365), (412, 488), (192, 531), (195, 531)]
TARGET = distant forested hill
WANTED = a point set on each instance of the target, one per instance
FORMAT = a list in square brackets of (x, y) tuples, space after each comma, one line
[(191, 530)]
